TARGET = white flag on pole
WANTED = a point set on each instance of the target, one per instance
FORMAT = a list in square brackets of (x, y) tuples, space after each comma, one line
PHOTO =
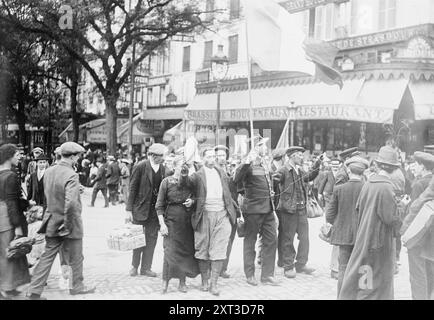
[(284, 137), (275, 39)]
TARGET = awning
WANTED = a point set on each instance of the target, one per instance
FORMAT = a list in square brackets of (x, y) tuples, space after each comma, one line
[(423, 98), (165, 113), (359, 100)]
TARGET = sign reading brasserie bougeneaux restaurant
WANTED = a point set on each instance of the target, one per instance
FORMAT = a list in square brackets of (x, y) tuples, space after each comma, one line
[(306, 112), (293, 6)]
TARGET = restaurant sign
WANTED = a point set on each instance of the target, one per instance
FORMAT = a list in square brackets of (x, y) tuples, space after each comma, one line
[(293, 6), (306, 112), (397, 35)]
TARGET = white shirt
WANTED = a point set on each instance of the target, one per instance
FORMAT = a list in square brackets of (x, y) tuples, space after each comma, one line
[(214, 191), (155, 167), (40, 174)]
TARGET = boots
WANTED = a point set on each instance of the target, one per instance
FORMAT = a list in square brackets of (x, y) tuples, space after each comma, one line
[(216, 268), (204, 268)]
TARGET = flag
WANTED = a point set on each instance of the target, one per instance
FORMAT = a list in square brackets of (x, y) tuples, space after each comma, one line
[(283, 142), (277, 43)]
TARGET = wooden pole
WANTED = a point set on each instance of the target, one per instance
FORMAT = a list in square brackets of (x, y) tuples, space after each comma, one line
[(249, 86)]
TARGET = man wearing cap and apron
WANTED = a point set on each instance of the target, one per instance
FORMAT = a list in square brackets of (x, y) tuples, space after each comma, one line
[(292, 211)]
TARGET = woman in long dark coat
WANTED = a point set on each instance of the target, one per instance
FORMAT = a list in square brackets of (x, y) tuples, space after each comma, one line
[(174, 208), (370, 269), (13, 272)]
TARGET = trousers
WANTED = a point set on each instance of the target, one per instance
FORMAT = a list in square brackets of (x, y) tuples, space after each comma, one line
[(290, 225), (264, 224), (343, 258), (421, 275), (95, 193), (145, 254), (74, 250), (113, 192)]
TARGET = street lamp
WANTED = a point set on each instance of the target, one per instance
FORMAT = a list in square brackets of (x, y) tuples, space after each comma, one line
[(219, 69)]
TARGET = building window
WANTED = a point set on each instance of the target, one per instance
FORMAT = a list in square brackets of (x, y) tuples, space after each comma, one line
[(149, 97), (233, 49), (324, 25), (207, 54), (387, 18), (186, 59), (234, 9), (210, 4), (138, 94), (162, 95)]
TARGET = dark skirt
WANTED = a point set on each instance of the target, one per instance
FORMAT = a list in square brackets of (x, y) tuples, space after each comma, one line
[(179, 260), (13, 272)]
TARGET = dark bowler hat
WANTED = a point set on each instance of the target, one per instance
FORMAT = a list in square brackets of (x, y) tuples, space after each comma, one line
[(425, 158), (351, 152), (278, 153), (294, 149), (42, 157)]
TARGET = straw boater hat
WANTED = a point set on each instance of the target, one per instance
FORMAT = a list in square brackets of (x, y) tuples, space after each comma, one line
[(389, 156)]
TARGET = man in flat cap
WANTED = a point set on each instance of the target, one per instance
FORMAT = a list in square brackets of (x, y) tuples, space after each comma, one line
[(113, 176), (419, 274), (258, 212), (342, 175), (143, 192), (341, 212), (62, 223), (293, 185)]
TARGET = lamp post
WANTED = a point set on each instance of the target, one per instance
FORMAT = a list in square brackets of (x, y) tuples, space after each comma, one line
[(132, 89), (219, 69)]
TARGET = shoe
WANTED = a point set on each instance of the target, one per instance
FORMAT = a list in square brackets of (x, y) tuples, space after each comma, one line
[(148, 273), (290, 273), (334, 275), (34, 296), (279, 264), (106, 206), (133, 272), (12, 293), (182, 288), (305, 270), (225, 275), (83, 290), (252, 281), (270, 281)]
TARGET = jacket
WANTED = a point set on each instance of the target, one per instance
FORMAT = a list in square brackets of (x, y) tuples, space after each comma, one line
[(327, 183), (256, 188), (197, 183), (113, 173), (341, 212), (35, 190), (10, 194), (140, 190), (100, 181), (62, 193), (286, 177)]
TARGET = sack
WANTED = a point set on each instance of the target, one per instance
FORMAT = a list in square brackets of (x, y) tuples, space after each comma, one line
[(313, 209), (241, 228), (325, 232), (19, 247)]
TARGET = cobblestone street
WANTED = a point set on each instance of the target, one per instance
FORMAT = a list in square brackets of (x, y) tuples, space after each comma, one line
[(108, 269)]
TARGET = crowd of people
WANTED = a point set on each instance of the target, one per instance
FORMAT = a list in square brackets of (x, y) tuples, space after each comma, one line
[(200, 203)]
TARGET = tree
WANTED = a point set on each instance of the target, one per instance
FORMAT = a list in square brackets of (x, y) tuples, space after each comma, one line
[(106, 30)]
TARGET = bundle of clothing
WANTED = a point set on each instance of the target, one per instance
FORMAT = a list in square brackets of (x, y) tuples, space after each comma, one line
[(19, 247), (34, 219)]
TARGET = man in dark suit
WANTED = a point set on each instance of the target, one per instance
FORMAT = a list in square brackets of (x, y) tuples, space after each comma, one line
[(99, 183), (213, 219), (293, 183), (258, 212), (62, 223), (35, 191), (113, 177), (143, 192), (341, 213)]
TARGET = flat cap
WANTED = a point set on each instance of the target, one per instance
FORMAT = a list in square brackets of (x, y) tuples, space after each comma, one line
[(157, 149), (357, 161), (37, 149), (57, 150), (278, 153), (425, 158), (351, 152), (70, 148), (221, 147), (293, 149)]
